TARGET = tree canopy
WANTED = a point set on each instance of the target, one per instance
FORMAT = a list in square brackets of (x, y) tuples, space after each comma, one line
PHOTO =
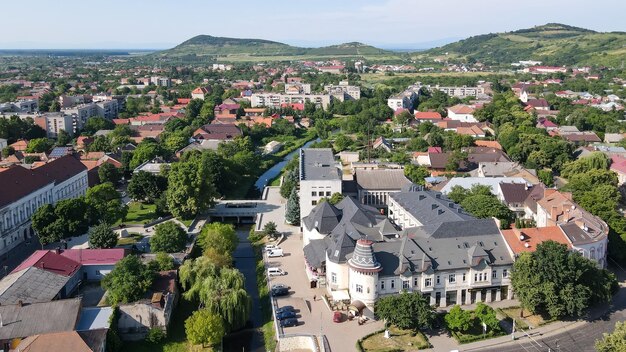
[(406, 310), (168, 237), (67, 218), (205, 328), (555, 281), (105, 204), (102, 236), (615, 341), (190, 186), (128, 281)]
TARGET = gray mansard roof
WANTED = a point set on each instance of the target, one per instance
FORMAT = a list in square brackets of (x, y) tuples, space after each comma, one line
[(429, 207), (448, 240)]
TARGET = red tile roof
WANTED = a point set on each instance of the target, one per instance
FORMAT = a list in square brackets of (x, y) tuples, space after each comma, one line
[(461, 109), (532, 237), (50, 261), (61, 169), (427, 115), (618, 164), (108, 256), (18, 182)]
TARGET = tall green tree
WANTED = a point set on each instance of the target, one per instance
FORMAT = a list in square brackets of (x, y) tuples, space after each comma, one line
[(204, 328), (190, 187), (292, 210), (147, 150), (555, 281), (105, 204), (406, 310), (219, 236), (168, 237), (68, 218), (102, 236), (459, 319), (144, 186), (128, 281), (416, 173), (39, 145), (107, 172)]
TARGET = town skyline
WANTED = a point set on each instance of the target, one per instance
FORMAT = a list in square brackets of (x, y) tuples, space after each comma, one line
[(390, 24)]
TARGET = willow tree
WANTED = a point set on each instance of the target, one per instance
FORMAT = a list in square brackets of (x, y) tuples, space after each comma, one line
[(221, 291), (226, 296)]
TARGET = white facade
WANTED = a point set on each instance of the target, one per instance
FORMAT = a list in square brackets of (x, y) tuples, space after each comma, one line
[(312, 190), (460, 92), (461, 117), (276, 100), (15, 217), (57, 122)]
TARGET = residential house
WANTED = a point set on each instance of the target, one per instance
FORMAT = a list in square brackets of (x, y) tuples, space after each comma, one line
[(153, 311), (460, 112), (217, 132), (618, 165), (82, 341), (432, 116), (587, 233), (613, 137), (200, 92), (94, 263), (527, 239), (23, 320), (505, 169)]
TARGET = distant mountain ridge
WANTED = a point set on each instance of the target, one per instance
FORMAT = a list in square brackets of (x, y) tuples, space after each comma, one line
[(206, 45), (552, 43)]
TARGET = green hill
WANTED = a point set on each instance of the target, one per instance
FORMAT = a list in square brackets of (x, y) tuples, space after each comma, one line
[(553, 44), (209, 46), (352, 49)]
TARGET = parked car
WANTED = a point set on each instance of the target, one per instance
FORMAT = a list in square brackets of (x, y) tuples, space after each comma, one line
[(275, 253), (286, 315), (270, 247), (285, 323), (275, 272), (337, 317), (283, 291), (279, 286), (285, 309)]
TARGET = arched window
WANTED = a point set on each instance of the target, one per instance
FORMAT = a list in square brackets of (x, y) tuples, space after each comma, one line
[(593, 253)]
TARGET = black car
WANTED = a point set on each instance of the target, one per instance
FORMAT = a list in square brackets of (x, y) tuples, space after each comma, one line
[(279, 286), (285, 323), (285, 309), (282, 291), (285, 315)]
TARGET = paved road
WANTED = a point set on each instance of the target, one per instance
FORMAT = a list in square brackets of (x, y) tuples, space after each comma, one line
[(581, 338)]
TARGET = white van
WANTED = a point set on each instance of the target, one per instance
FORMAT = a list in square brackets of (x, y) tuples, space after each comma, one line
[(278, 252), (275, 272)]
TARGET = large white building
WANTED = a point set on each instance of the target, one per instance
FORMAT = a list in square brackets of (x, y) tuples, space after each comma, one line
[(404, 100), (343, 91), (55, 122), (428, 244), (320, 177), (23, 191), (459, 92), (274, 100)]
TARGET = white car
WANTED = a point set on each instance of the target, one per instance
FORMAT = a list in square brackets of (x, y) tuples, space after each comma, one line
[(275, 253), (275, 272), (270, 247)]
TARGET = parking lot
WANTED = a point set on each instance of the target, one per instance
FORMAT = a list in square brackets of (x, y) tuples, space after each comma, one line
[(313, 315)]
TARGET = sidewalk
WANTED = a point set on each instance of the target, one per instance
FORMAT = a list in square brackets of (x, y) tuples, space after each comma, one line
[(443, 342)]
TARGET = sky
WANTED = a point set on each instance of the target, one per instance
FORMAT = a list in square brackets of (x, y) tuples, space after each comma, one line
[(400, 24)]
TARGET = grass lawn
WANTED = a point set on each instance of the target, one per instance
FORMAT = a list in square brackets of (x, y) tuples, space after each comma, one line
[(139, 213), (132, 238), (401, 339), (176, 340), (534, 320), (186, 222)]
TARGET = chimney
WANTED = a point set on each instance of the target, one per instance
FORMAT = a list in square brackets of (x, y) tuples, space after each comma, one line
[(20, 303), (554, 213)]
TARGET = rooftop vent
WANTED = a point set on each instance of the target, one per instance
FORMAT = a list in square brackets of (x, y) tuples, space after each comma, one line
[(440, 211), (421, 197), (434, 206), (526, 244), (438, 195), (522, 237)]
